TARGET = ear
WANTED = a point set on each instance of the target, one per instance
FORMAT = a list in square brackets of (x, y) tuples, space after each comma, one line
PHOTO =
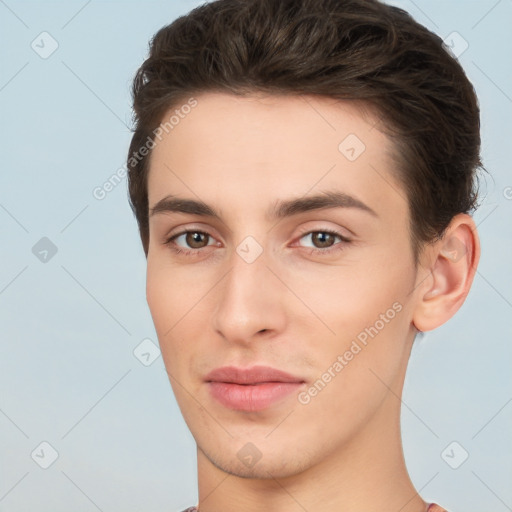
[(450, 270)]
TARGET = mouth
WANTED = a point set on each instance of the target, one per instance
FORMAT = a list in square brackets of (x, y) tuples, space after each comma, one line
[(251, 389)]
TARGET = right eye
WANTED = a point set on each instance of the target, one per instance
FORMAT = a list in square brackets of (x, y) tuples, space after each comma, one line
[(192, 238)]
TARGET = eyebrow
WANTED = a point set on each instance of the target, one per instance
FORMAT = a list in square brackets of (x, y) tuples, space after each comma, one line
[(279, 210)]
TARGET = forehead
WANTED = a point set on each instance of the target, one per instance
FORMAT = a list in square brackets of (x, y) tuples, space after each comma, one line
[(250, 150)]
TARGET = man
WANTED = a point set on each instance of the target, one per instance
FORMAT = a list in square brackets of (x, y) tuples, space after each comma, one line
[(302, 174)]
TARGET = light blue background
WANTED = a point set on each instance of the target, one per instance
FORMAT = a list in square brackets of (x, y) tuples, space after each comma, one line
[(68, 375)]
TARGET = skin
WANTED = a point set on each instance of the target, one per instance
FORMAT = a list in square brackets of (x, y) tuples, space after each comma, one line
[(290, 308)]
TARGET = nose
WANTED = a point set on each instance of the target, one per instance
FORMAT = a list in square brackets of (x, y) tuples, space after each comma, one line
[(250, 301)]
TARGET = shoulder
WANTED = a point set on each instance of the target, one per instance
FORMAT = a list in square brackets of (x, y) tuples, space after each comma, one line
[(433, 508)]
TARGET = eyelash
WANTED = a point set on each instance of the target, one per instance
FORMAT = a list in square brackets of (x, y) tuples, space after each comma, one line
[(313, 251)]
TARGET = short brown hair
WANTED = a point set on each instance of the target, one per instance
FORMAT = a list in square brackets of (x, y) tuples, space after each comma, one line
[(344, 49)]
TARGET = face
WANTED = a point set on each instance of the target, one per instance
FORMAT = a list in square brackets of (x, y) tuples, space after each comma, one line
[(284, 321)]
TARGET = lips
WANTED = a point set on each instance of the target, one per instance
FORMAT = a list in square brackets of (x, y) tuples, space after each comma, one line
[(251, 389), (253, 375)]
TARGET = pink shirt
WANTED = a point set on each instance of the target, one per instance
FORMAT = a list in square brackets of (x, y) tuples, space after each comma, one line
[(431, 508)]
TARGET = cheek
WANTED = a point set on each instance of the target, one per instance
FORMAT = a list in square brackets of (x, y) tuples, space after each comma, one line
[(356, 367), (364, 311), (171, 293), (351, 297), (159, 296), (168, 300)]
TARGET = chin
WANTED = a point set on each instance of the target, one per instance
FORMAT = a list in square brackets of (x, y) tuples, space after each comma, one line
[(249, 462)]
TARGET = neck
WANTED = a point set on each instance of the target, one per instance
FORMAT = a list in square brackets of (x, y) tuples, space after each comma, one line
[(367, 474)]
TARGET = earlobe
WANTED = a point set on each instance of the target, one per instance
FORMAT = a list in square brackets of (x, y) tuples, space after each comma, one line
[(454, 259)]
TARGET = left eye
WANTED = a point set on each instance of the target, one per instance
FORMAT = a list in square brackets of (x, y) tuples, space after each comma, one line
[(324, 239)]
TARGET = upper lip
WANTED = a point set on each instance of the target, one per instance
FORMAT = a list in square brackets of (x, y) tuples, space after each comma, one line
[(253, 375)]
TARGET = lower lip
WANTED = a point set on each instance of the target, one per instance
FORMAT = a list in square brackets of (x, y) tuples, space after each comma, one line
[(251, 397)]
